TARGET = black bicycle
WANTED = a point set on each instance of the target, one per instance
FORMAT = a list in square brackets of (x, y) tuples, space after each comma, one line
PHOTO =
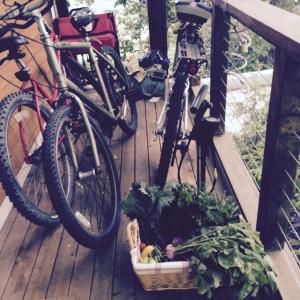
[(172, 124)]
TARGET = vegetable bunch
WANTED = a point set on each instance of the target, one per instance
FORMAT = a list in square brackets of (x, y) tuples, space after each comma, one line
[(230, 255), (221, 251), (176, 211)]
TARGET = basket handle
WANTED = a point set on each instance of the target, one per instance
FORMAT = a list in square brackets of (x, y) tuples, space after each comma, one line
[(133, 234)]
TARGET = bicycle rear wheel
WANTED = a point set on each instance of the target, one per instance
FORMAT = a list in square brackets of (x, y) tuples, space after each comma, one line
[(171, 133), (22, 173), (94, 212), (123, 106)]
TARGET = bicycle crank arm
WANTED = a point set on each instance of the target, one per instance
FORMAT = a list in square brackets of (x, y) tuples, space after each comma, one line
[(161, 124)]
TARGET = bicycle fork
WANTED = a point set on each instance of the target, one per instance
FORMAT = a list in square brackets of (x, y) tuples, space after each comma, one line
[(96, 170)]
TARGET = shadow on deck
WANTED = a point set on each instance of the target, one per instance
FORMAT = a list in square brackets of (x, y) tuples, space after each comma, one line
[(37, 264)]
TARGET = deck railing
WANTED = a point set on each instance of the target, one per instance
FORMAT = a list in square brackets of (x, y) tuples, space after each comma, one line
[(271, 207)]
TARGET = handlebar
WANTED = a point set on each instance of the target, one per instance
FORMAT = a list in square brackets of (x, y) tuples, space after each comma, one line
[(22, 12)]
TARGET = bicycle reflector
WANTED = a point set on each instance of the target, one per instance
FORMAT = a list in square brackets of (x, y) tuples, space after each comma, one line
[(193, 69)]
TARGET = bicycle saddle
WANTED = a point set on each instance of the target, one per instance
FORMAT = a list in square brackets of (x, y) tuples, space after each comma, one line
[(81, 19), (193, 11), (12, 42)]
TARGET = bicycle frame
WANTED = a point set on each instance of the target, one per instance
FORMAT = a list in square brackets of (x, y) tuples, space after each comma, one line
[(37, 89), (188, 55), (71, 91)]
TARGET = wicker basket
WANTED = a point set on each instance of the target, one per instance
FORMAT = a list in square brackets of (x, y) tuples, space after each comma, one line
[(158, 276)]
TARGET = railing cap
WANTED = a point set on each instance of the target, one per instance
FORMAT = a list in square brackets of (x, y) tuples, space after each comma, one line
[(279, 27)]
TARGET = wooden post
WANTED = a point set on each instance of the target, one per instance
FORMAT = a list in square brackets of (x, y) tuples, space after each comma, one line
[(62, 8), (281, 141), (157, 16), (219, 63)]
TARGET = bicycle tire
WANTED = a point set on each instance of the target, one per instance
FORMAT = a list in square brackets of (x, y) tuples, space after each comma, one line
[(172, 123), (8, 163), (73, 215), (116, 93)]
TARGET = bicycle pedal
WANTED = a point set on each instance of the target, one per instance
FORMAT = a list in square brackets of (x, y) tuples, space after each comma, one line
[(87, 174)]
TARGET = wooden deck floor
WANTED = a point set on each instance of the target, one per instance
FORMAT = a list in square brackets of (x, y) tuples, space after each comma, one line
[(38, 264)]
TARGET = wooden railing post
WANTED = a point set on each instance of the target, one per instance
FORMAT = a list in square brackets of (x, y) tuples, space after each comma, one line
[(281, 147), (157, 17), (219, 63), (62, 8)]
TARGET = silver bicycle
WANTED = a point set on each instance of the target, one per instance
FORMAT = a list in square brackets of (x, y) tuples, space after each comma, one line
[(79, 168)]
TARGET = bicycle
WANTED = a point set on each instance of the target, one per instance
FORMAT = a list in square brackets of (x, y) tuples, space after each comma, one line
[(22, 121), (77, 160), (21, 114), (172, 124)]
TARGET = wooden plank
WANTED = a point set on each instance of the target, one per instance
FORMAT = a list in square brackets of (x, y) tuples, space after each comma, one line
[(41, 274), (6, 229), (82, 274), (11, 249), (123, 288), (20, 274), (63, 267), (122, 259), (141, 294), (65, 298), (153, 141), (141, 146), (262, 18), (171, 295), (101, 288), (142, 174), (288, 273), (123, 284), (239, 177), (18, 279)]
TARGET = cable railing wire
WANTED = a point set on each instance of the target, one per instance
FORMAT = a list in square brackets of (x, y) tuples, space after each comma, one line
[(290, 201), (288, 243)]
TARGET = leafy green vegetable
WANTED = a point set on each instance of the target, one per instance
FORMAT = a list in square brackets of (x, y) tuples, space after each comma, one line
[(231, 255), (221, 254), (160, 209), (196, 212)]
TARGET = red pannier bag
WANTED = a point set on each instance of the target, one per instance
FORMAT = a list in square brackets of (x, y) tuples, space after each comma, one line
[(104, 30)]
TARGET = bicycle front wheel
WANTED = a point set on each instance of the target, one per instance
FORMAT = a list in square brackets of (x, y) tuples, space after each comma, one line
[(21, 168), (92, 215)]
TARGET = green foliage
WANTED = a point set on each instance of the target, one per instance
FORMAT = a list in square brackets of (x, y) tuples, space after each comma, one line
[(86, 2), (196, 211), (251, 138), (231, 256), (140, 201), (133, 27)]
